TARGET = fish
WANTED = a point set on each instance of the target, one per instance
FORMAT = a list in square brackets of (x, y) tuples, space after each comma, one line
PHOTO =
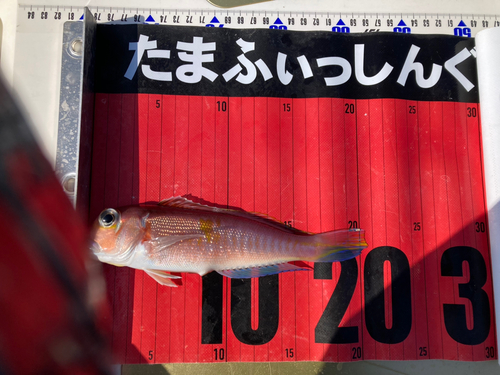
[(178, 235)]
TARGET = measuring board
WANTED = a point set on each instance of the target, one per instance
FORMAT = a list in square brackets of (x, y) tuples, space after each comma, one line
[(321, 131), (466, 25)]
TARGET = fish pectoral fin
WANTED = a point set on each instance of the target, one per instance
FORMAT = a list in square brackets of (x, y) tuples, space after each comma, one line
[(161, 243), (162, 277), (246, 273)]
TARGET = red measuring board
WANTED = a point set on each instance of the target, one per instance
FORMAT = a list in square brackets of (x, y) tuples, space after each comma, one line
[(407, 171)]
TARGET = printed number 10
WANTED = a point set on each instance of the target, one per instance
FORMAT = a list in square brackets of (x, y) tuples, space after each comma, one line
[(219, 354), (221, 106)]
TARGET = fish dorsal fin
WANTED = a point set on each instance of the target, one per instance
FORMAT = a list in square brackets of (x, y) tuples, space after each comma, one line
[(181, 202), (269, 220)]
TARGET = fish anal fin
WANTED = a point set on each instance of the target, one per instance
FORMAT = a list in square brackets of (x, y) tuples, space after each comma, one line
[(164, 278), (246, 273), (301, 264), (341, 254)]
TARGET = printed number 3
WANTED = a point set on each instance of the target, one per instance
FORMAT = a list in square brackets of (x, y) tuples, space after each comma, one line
[(455, 314)]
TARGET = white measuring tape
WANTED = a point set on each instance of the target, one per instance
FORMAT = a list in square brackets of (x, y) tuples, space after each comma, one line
[(466, 25)]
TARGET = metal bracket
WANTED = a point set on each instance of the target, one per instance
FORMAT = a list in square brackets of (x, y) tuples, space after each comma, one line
[(76, 111)]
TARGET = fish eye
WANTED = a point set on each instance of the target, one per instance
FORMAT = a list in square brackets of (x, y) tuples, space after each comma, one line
[(108, 218)]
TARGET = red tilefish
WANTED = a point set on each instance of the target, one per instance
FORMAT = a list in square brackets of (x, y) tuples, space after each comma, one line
[(178, 235)]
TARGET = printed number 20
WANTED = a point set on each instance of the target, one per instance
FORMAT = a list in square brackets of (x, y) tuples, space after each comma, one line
[(328, 329), (349, 108)]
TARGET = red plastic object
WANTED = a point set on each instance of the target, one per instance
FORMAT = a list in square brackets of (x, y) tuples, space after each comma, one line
[(51, 299)]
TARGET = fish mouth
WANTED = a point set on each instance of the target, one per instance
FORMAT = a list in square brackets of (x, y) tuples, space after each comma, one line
[(99, 253), (115, 258), (96, 248)]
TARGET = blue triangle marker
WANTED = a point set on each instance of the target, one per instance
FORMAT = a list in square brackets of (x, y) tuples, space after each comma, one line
[(278, 22), (341, 23), (150, 19), (462, 23), (81, 18), (214, 20), (401, 23)]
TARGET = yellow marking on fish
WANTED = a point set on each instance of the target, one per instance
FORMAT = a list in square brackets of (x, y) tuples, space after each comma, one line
[(207, 227)]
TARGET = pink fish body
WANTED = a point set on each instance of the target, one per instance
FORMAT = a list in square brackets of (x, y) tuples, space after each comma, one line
[(178, 235)]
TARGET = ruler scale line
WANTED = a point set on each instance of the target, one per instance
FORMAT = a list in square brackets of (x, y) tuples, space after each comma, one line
[(244, 22)]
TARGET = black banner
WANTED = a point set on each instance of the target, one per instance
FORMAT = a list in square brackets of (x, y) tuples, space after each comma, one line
[(278, 63)]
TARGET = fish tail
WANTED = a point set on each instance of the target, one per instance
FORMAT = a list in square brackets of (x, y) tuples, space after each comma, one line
[(338, 245)]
